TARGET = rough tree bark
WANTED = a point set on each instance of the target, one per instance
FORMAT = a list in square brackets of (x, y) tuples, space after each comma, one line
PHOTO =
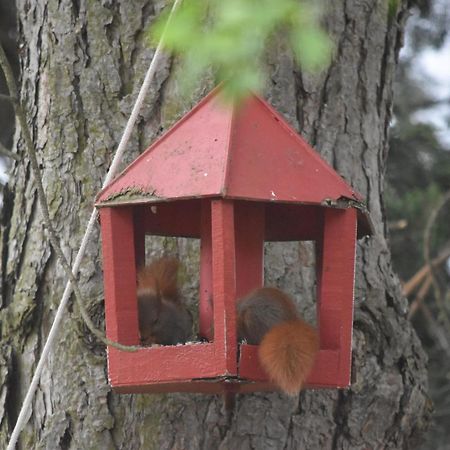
[(82, 63)]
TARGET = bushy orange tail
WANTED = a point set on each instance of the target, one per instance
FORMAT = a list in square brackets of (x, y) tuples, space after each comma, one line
[(287, 353), (160, 277)]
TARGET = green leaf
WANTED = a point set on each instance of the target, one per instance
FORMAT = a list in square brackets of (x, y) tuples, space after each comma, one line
[(231, 37), (312, 48)]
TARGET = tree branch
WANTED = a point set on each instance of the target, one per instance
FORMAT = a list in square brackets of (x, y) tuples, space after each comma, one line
[(427, 252), (423, 291), (436, 329), (418, 277)]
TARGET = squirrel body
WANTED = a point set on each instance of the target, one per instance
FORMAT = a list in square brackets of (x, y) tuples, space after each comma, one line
[(288, 345), (163, 317)]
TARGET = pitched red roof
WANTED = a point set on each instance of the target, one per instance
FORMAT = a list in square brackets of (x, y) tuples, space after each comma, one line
[(216, 149)]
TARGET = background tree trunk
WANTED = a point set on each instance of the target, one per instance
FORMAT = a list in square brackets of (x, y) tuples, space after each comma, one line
[(82, 64)]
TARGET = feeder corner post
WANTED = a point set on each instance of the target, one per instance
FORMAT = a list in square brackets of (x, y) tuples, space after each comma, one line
[(119, 268), (224, 282), (335, 286)]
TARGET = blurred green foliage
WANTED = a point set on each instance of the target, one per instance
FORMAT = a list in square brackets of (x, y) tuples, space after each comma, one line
[(231, 37)]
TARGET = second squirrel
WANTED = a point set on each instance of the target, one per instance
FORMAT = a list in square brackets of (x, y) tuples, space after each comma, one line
[(163, 317), (288, 345)]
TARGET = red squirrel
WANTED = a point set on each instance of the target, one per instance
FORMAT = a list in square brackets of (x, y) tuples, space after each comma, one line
[(163, 317), (266, 317), (287, 345)]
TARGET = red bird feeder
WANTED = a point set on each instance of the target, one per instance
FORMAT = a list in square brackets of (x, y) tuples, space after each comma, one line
[(234, 178)]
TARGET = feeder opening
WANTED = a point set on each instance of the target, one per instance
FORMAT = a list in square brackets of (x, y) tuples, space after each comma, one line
[(166, 290), (291, 267)]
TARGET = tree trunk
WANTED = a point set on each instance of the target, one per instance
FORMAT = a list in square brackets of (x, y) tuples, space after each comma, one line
[(82, 64)]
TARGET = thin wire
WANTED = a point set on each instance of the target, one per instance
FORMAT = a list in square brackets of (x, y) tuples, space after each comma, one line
[(90, 226)]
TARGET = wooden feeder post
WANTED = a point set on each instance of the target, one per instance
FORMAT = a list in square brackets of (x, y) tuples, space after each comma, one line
[(233, 178), (335, 279)]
